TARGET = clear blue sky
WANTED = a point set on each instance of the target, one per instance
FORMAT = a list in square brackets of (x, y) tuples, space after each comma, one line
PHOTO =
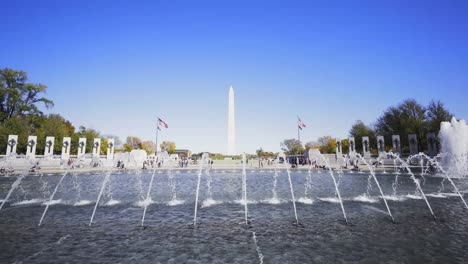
[(115, 65)]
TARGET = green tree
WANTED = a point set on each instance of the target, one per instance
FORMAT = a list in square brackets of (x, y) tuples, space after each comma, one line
[(292, 147), (168, 146), (18, 97), (345, 146), (312, 145), (148, 146), (127, 147), (436, 114), (359, 130), (327, 145), (21, 126), (133, 143), (117, 141), (104, 142), (41, 126), (259, 152), (90, 135), (56, 126), (407, 118)]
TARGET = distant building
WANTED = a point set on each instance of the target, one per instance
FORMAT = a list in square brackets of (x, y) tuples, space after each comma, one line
[(183, 153)]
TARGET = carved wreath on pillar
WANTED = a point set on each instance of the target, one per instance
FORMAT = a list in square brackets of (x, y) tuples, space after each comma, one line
[(31, 144), (110, 145), (381, 147), (338, 146), (351, 145), (81, 145), (65, 145), (366, 146), (11, 143), (96, 146), (49, 145)]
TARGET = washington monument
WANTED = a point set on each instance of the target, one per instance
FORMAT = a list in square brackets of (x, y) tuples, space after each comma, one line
[(231, 125)]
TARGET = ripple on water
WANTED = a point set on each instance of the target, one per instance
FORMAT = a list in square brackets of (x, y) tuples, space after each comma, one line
[(82, 202), (416, 197), (305, 200), (272, 201), (242, 201), (143, 203), (395, 198), (112, 202), (175, 202), (210, 202), (365, 199), (330, 199), (53, 202), (437, 195), (449, 194), (27, 202)]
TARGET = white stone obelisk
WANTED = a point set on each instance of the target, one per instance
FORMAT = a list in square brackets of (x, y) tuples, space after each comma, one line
[(231, 125)]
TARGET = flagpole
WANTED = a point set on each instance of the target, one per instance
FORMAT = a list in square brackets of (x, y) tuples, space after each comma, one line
[(298, 134), (157, 129), (298, 130)]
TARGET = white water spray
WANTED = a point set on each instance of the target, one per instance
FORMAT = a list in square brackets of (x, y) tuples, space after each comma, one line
[(200, 171), (51, 198), (104, 182), (286, 164), (15, 185), (317, 153), (244, 188), (371, 170)]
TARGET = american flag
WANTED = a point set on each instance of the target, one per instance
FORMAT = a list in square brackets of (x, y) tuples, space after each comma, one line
[(300, 124), (162, 123)]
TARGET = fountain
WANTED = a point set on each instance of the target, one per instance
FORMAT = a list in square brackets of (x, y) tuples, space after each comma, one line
[(454, 143), (164, 156), (221, 238), (203, 159), (103, 186), (314, 154), (416, 181), (13, 187), (371, 171), (436, 164), (286, 165), (244, 188)]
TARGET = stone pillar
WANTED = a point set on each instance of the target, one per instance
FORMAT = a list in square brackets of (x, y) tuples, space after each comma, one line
[(413, 144), (49, 147), (352, 146), (96, 147), (81, 147), (365, 147), (110, 149), (432, 144), (12, 143), (31, 147), (339, 147), (339, 150), (396, 143), (66, 145), (380, 145)]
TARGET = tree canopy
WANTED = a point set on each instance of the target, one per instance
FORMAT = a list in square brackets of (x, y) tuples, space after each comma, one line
[(18, 97), (292, 147), (359, 130), (168, 146), (410, 117)]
